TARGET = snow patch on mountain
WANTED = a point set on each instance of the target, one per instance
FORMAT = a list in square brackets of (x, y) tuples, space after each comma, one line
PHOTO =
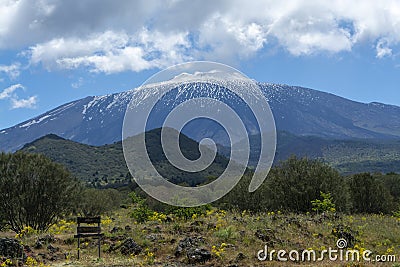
[(34, 121), (98, 120)]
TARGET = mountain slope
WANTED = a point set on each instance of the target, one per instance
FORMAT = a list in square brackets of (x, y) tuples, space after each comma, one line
[(301, 111), (305, 111), (91, 120)]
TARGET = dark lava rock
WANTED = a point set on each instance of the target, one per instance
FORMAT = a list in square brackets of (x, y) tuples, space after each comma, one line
[(52, 249), (47, 239), (11, 248), (266, 235), (54, 257), (198, 255), (115, 230), (345, 232), (153, 237), (27, 249), (129, 246), (240, 256), (186, 243), (38, 244), (117, 238)]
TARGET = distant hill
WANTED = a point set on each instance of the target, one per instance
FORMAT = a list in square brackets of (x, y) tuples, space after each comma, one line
[(96, 165), (347, 156), (105, 165)]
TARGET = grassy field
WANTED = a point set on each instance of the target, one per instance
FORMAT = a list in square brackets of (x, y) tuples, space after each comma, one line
[(232, 238)]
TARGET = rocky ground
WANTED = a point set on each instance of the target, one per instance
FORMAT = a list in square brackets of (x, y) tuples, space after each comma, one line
[(217, 238)]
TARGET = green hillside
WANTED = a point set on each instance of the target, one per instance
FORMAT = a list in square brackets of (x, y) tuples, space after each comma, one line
[(105, 165), (363, 156), (96, 165), (347, 156)]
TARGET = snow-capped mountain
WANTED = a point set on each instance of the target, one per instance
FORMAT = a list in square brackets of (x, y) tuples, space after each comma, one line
[(97, 120)]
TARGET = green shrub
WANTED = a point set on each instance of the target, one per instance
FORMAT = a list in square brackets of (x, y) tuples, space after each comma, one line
[(34, 191), (324, 205), (396, 214), (369, 195), (187, 213), (95, 202), (296, 182), (141, 213), (136, 199), (291, 186), (227, 233)]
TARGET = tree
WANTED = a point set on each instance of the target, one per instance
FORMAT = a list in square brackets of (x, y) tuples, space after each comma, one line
[(240, 198), (95, 202), (291, 186), (369, 195), (34, 191), (296, 182), (392, 183), (3, 222)]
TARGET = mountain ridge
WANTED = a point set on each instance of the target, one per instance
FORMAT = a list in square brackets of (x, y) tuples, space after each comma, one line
[(97, 120)]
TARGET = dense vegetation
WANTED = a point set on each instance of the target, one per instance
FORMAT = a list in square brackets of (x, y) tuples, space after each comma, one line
[(34, 191), (303, 203), (104, 166), (291, 185), (347, 156), (295, 183), (94, 202), (98, 165)]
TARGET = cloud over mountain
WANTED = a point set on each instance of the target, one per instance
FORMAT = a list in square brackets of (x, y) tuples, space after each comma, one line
[(106, 37), (16, 102)]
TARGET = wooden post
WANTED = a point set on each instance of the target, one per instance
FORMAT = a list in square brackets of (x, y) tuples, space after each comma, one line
[(99, 237), (79, 246)]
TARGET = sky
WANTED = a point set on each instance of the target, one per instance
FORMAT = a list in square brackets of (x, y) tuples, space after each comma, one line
[(53, 51)]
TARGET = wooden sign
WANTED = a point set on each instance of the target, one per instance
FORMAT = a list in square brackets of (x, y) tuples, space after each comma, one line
[(88, 230)]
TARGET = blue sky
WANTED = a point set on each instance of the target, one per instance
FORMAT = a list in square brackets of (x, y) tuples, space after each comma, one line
[(53, 51)]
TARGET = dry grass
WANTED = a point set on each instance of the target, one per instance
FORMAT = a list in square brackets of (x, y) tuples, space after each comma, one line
[(232, 237)]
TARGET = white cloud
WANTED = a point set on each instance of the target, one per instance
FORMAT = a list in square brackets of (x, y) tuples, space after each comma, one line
[(12, 71), (24, 103), (60, 48), (10, 94), (383, 49), (136, 35), (8, 12), (111, 52), (128, 58)]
